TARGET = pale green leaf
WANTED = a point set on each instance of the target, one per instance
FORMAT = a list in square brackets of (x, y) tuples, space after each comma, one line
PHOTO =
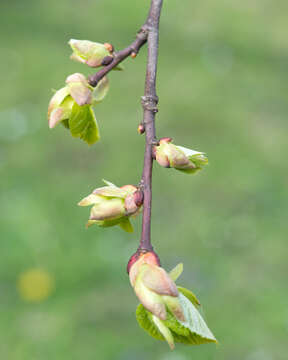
[(144, 318), (189, 295), (193, 331), (199, 331), (83, 124)]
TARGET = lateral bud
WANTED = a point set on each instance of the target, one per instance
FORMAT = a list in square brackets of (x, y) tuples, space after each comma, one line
[(138, 197), (141, 129), (178, 157)]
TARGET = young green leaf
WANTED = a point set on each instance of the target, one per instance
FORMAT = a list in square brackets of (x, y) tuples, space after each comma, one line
[(144, 319), (200, 332), (193, 331), (83, 124)]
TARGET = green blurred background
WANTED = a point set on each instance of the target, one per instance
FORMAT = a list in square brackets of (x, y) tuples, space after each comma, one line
[(223, 90)]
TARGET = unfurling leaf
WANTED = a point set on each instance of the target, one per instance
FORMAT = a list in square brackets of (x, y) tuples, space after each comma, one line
[(199, 331), (83, 124), (193, 331), (189, 295), (112, 205)]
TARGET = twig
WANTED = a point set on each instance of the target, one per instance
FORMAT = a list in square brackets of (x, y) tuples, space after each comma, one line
[(149, 102), (119, 56)]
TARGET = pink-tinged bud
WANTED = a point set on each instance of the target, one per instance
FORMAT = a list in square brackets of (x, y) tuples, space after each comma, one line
[(79, 89), (154, 287), (76, 77), (112, 206), (156, 278), (178, 157), (133, 55), (160, 297), (138, 197), (130, 205), (89, 52), (162, 159), (141, 129)]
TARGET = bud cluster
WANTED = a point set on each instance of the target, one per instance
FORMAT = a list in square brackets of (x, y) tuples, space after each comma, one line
[(178, 157), (113, 205), (166, 311)]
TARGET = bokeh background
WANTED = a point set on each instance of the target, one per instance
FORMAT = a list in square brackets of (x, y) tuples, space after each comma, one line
[(223, 84)]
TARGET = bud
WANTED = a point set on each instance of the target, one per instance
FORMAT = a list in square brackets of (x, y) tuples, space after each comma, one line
[(154, 288), (178, 157), (138, 197), (90, 53), (79, 89), (141, 129), (113, 205)]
